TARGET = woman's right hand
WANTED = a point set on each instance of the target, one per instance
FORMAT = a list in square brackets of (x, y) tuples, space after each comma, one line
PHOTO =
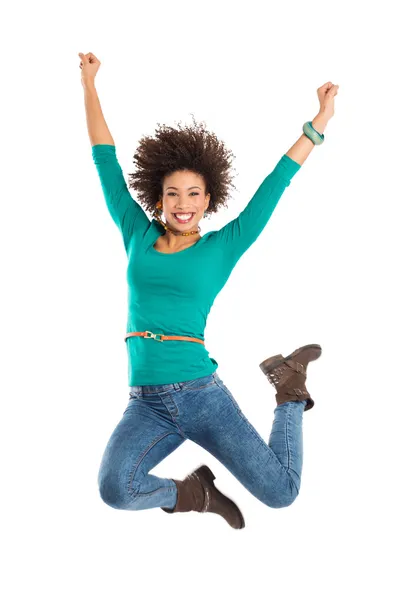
[(89, 65)]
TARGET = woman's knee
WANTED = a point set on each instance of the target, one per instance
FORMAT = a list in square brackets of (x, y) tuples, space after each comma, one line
[(114, 493), (281, 498), (281, 502)]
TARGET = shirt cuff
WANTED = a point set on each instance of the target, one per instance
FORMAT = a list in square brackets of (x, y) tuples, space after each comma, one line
[(102, 151), (287, 167)]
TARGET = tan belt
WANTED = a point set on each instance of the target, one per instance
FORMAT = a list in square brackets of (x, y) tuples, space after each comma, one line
[(161, 338)]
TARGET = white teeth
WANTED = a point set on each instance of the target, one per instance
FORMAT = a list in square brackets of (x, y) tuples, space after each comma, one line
[(184, 217)]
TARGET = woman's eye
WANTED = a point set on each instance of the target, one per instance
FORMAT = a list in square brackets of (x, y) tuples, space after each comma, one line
[(171, 193)]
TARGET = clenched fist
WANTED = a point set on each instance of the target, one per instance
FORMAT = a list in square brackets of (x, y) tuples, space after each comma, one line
[(89, 65)]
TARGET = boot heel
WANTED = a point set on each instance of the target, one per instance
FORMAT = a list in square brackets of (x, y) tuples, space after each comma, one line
[(270, 363), (206, 473)]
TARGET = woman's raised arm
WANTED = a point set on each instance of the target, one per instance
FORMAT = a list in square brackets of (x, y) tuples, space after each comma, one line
[(124, 210), (300, 151), (97, 128)]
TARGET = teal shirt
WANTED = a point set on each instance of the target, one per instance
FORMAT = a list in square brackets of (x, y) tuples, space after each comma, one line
[(173, 293)]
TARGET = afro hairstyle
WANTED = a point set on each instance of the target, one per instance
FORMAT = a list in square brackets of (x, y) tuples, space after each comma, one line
[(179, 148)]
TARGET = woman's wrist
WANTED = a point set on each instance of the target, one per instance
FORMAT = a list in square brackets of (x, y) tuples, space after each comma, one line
[(300, 151), (320, 121), (88, 83)]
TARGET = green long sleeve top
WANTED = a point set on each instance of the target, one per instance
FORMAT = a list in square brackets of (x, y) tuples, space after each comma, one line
[(172, 294)]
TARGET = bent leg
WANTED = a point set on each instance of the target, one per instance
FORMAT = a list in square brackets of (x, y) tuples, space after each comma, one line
[(286, 438), (145, 435), (270, 472)]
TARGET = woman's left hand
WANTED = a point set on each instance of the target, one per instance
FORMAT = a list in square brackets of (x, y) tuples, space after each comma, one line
[(326, 95)]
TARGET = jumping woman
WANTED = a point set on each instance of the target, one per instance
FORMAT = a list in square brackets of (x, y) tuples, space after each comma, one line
[(174, 275)]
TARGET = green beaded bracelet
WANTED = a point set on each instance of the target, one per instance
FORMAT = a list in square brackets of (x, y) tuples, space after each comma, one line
[(315, 137)]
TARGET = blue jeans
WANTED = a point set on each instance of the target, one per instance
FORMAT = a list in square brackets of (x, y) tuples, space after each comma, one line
[(159, 418)]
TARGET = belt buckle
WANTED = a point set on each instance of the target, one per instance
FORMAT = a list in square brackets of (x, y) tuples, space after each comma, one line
[(153, 335)]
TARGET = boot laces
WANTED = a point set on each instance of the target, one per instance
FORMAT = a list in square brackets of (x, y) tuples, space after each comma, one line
[(274, 376), (206, 502)]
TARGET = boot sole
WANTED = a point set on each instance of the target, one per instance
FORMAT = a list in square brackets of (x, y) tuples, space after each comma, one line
[(316, 347), (205, 472), (274, 361)]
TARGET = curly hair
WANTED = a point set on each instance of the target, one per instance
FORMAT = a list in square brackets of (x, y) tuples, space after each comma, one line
[(190, 148)]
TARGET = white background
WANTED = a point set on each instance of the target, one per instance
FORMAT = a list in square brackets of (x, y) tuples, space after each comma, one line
[(323, 271)]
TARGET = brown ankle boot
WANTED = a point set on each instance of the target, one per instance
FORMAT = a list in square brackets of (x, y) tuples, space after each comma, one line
[(288, 374), (197, 492)]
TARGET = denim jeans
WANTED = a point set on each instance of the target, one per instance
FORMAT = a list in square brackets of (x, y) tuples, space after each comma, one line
[(159, 418)]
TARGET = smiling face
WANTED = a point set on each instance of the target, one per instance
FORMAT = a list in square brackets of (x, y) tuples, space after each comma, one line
[(184, 192)]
